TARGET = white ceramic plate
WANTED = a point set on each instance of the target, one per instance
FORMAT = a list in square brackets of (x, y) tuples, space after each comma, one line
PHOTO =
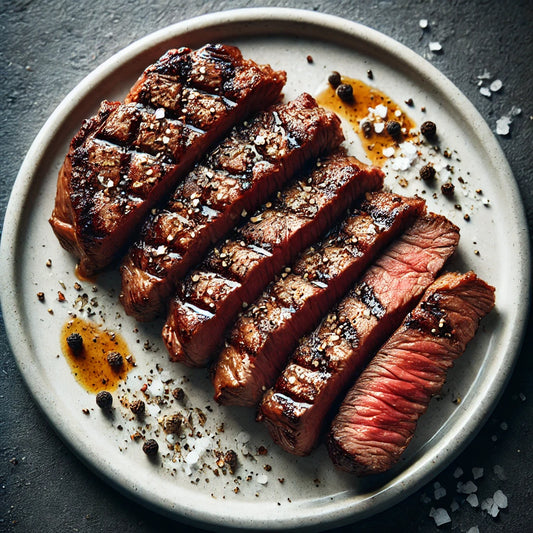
[(313, 495)]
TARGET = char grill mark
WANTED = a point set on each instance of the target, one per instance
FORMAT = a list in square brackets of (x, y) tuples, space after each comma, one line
[(256, 159), (378, 417), (325, 362), (268, 331), (128, 157), (236, 272)]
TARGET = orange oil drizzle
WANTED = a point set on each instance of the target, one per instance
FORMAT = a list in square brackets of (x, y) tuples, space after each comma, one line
[(354, 112), (90, 368)]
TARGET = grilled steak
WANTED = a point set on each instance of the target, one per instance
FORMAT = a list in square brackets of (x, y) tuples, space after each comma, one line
[(327, 361), (238, 270), (130, 155), (256, 159), (378, 417), (268, 331)]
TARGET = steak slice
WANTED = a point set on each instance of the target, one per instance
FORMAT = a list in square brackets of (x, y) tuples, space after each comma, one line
[(327, 361), (130, 155), (378, 417), (237, 271), (268, 331), (256, 159)]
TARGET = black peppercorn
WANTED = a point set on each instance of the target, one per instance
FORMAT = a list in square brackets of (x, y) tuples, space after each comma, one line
[(447, 188), (334, 79), (75, 343), (104, 400), (427, 172), (394, 129), (137, 407), (428, 129), (366, 127), (150, 447), (345, 92), (115, 360), (369, 74)]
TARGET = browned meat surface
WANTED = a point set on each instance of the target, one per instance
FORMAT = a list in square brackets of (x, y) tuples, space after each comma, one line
[(236, 272), (268, 331), (256, 159), (378, 417), (130, 155), (327, 361)]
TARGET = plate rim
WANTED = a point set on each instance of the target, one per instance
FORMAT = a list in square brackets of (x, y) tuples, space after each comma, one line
[(397, 489)]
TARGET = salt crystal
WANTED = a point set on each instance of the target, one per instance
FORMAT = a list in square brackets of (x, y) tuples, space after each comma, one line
[(156, 388), (515, 111), (439, 493), (435, 46), (381, 110), (473, 529), (494, 510), (379, 127), (171, 438), (454, 506), (192, 457), (486, 504), (499, 472), (500, 499), (466, 488), (496, 85), (409, 149), (423, 23), (472, 500), (243, 437), (389, 151), (401, 163), (485, 91), (202, 445), (503, 125), (262, 479), (159, 113), (440, 516), (485, 76), (458, 472), (477, 472)]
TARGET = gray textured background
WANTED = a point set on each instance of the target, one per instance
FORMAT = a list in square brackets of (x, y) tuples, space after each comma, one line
[(47, 47)]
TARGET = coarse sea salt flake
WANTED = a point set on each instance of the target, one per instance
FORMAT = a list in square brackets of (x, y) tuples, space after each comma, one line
[(477, 472), (499, 472), (388, 152), (401, 163), (439, 493), (494, 510), (485, 91), (440, 516), (423, 23), (262, 479), (466, 488), (500, 499), (435, 46), (503, 125), (379, 127), (159, 113), (485, 76), (454, 506), (192, 457), (381, 110), (472, 499), (473, 529), (458, 472), (486, 504), (496, 85)]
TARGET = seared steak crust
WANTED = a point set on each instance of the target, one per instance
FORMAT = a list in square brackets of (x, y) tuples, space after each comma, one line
[(268, 331), (256, 159), (237, 271), (378, 417), (326, 362), (130, 155)]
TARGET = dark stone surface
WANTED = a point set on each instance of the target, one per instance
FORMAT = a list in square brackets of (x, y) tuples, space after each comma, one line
[(48, 47)]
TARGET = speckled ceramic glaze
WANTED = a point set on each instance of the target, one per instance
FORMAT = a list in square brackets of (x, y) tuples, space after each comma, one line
[(494, 244)]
